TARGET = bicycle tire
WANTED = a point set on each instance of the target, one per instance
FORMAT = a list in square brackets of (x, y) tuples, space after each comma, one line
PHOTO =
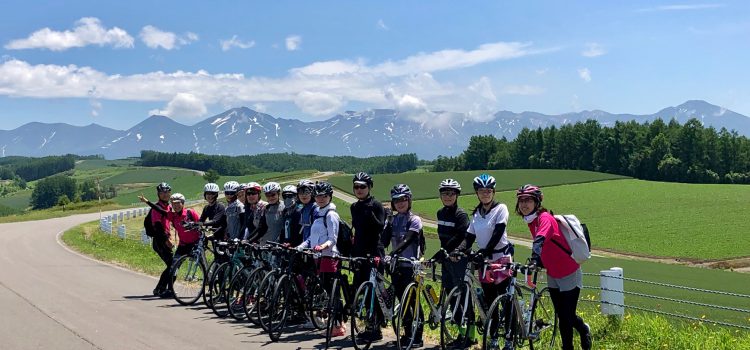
[(410, 303), (318, 303), (452, 334), (187, 289), (544, 322), (250, 294), (359, 312), (332, 310), (280, 307), (264, 297), (219, 286), (498, 307), (209, 272), (234, 299)]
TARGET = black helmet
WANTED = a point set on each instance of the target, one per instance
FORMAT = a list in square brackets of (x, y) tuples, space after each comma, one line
[(399, 191), (163, 187), (323, 188), (363, 177)]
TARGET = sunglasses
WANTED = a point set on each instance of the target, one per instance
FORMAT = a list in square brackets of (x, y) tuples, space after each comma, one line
[(288, 196), (253, 193), (402, 199), (448, 194), (306, 192), (360, 187)]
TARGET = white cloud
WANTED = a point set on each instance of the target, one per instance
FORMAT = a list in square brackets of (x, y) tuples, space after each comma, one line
[(228, 44), (318, 103), (382, 25), (156, 38), (593, 50), (681, 7), (585, 74), (318, 88), (542, 71), (87, 31), (183, 105), (293, 42), (260, 107), (94, 103)]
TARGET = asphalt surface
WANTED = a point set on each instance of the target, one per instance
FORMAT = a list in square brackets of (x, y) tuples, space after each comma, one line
[(53, 298)]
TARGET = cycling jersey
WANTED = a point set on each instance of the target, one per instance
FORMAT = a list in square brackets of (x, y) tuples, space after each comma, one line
[(159, 220), (484, 227), (324, 232), (557, 262), (452, 225), (215, 213), (271, 224), (368, 222), (306, 219), (235, 213), (292, 233), (253, 213), (403, 234)]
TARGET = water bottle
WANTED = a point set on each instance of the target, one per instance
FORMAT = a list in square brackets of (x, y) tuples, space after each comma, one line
[(527, 318), (432, 294)]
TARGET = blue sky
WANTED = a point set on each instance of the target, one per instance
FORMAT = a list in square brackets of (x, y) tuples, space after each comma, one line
[(114, 64)]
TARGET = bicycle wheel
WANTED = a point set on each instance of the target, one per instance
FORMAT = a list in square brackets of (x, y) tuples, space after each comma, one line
[(264, 297), (235, 301), (543, 332), (495, 325), (411, 308), (219, 288), (250, 293), (457, 316), (364, 315), (334, 310), (318, 298), (188, 279), (280, 308), (206, 286)]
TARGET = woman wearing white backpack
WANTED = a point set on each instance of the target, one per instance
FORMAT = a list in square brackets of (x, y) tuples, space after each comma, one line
[(551, 251)]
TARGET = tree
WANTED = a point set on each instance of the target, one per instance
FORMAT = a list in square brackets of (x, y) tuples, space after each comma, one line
[(49, 190), (211, 175), (62, 201)]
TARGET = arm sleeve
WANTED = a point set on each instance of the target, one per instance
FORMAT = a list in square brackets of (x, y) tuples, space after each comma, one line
[(385, 238), (158, 209), (536, 250), (462, 225), (497, 234)]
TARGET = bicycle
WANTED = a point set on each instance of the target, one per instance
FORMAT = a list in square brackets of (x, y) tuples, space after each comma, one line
[(375, 294), (264, 296), (302, 290), (189, 271), (256, 279), (412, 306), (463, 302), (235, 296), (531, 314), (339, 291), (219, 283)]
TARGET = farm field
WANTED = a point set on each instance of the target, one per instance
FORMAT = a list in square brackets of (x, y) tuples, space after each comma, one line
[(424, 185), (643, 217)]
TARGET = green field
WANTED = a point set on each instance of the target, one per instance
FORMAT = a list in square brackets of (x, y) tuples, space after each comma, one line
[(90, 164), (425, 185), (18, 200), (643, 217)]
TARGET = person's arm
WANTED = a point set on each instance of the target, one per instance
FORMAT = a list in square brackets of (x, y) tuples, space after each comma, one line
[(410, 238), (158, 209), (385, 238), (260, 230), (332, 231)]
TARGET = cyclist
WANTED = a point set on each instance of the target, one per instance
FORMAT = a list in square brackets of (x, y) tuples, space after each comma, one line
[(253, 207), (178, 216), (488, 225), (305, 189), (564, 275), (235, 211), (323, 237), (271, 223), (161, 242), (405, 234), (241, 194), (214, 213), (292, 234), (368, 221)]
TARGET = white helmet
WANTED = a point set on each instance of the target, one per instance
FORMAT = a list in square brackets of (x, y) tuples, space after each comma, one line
[(177, 197), (211, 187), (231, 187), (271, 187), (289, 189)]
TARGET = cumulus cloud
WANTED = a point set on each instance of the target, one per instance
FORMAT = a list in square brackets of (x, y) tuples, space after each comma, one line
[(260, 107), (228, 44), (318, 89), (156, 38), (593, 50), (293, 42), (318, 103), (585, 74), (382, 25), (87, 31), (183, 105)]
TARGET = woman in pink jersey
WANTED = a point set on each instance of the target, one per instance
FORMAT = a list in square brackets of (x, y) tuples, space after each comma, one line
[(564, 276), (178, 216)]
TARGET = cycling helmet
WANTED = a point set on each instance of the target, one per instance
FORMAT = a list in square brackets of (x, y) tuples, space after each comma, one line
[(177, 197), (400, 191), (530, 190), (242, 187), (254, 186), (363, 178), (484, 181), (163, 187), (450, 184), (305, 185), (289, 189), (323, 188), (211, 187), (231, 187), (271, 187)]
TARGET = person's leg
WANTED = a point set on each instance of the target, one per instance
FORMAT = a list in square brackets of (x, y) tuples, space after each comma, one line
[(564, 318), (491, 291), (165, 254), (570, 301)]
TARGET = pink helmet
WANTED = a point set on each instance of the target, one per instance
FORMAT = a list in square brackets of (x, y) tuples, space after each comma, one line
[(530, 191)]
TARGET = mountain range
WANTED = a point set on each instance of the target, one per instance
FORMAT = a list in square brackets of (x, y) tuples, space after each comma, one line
[(240, 131)]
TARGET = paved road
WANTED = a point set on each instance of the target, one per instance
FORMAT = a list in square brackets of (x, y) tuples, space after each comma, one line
[(52, 298)]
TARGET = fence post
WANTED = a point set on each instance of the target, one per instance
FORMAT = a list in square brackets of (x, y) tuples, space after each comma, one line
[(612, 286), (120, 219), (127, 215), (145, 239), (121, 231)]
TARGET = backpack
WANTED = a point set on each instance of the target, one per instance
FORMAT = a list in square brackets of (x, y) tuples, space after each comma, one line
[(148, 225), (577, 236), (344, 239)]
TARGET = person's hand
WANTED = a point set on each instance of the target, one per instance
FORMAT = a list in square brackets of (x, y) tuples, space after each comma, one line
[(377, 261), (285, 245), (318, 248), (299, 248), (142, 198)]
